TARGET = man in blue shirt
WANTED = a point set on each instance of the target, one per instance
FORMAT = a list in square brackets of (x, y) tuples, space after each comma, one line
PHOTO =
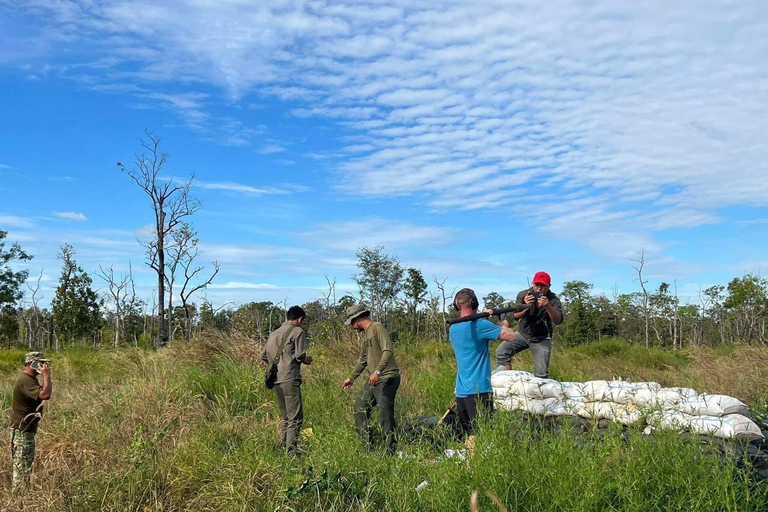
[(473, 359)]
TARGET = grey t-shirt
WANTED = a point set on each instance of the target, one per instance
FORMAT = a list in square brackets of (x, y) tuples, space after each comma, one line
[(289, 367)]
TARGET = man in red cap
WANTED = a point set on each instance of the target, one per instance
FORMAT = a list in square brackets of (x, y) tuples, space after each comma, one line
[(539, 311)]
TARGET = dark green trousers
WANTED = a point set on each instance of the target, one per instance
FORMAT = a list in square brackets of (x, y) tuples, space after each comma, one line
[(291, 413), (382, 395)]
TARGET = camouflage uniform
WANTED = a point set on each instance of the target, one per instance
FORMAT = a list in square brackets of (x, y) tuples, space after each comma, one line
[(26, 412), (22, 455)]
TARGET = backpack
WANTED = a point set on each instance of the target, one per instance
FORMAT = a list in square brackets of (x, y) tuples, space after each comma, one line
[(270, 376)]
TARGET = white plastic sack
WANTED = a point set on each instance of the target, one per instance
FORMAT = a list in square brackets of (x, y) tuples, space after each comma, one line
[(564, 408), (537, 388), (732, 426), (595, 390), (599, 410), (712, 405), (541, 407), (647, 399), (628, 414), (669, 420), (505, 378), (620, 392), (670, 398), (511, 403), (573, 390)]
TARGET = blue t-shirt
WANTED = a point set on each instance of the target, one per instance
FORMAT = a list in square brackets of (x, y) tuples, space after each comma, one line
[(473, 357)]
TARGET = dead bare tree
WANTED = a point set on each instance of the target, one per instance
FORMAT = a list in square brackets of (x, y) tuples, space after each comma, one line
[(33, 319), (646, 313), (171, 203), (189, 288), (122, 293), (443, 301), (331, 293)]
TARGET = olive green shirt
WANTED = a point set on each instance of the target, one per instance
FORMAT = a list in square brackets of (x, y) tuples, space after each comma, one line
[(377, 353), (294, 352), (26, 405)]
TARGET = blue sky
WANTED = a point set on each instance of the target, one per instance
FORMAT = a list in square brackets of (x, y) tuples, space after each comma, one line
[(480, 143)]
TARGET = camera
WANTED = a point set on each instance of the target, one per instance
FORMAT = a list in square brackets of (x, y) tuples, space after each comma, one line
[(536, 295)]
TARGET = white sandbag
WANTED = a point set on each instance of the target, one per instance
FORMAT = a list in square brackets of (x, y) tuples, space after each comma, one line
[(505, 378), (595, 390), (712, 405), (650, 385), (511, 403), (620, 392), (537, 388), (670, 398), (540, 407), (598, 410), (732, 426), (669, 420), (573, 390), (647, 399), (628, 414), (564, 408)]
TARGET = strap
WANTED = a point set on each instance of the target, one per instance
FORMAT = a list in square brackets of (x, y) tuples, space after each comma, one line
[(282, 345)]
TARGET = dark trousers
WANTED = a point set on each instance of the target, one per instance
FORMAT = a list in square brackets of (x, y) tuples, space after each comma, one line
[(382, 395), (291, 413), (470, 407)]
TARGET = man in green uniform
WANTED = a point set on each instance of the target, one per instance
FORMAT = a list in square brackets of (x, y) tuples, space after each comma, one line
[(293, 339), (384, 377), (26, 411)]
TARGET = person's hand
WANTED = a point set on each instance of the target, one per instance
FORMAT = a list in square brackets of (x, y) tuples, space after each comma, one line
[(373, 380), (504, 323), (529, 299), (489, 311), (347, 384), (44, 370), (307, 360), (543, 301)]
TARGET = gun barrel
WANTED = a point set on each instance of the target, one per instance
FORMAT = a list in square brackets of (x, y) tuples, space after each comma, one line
[(477, 316)]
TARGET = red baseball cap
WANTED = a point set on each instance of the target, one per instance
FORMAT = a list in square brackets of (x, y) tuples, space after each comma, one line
[(543, 278)]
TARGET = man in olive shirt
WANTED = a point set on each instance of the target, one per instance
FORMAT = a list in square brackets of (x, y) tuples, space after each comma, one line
[(26, 411), (538, 311), (383, 381), (288, 382)]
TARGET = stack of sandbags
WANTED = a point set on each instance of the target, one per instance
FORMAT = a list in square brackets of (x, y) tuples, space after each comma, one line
[(628, 403)]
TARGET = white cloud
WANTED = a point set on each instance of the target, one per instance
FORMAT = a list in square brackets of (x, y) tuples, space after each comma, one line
[(71, 216), (370, 232), (658, 111), (13, 221)]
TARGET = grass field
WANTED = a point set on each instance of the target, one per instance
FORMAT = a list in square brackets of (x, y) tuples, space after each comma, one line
[(192, 428)]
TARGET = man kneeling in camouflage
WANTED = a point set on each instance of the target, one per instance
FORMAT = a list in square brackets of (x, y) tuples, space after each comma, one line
[(26, 411)]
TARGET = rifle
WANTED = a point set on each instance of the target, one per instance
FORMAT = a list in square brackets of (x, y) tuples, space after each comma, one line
[(496, 312)]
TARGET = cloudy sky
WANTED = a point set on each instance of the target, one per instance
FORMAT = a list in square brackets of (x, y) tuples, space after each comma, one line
[(479, 141)]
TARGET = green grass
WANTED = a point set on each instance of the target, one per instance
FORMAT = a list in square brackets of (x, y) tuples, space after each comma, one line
[(193, 429)]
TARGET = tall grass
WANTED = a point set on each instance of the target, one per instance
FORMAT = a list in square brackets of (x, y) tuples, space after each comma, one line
[(193, 429)]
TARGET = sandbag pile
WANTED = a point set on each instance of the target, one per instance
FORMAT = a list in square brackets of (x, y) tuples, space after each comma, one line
[(628, 403)]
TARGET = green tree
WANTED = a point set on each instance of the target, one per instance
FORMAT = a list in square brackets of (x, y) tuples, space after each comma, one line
[(75, 305), (580, 313), (379, 279), (494, 301), (747, 301), (415, 291), (10, 279)]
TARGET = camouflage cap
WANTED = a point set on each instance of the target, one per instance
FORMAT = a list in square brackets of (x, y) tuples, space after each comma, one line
[(34, 356), (354, 312)]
